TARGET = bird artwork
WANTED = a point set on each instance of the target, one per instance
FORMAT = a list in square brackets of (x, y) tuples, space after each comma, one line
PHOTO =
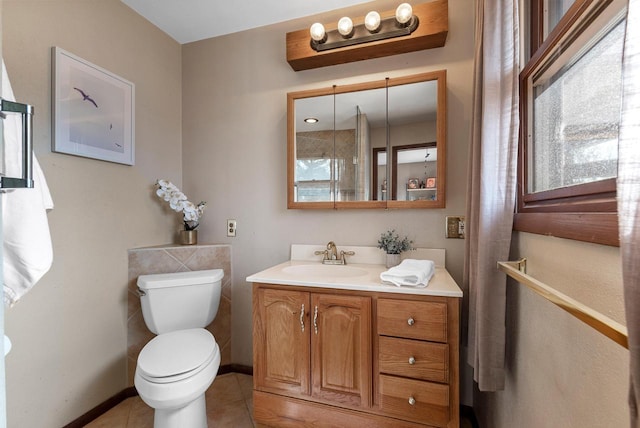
[(86, 97)]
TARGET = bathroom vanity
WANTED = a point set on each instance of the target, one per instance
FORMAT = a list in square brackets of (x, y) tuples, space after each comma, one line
[(333, 346)]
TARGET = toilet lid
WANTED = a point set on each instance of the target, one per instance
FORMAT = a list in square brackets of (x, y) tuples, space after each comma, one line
[(178, 353)]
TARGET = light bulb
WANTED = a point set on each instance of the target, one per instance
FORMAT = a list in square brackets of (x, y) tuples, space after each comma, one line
[(317, 31), (345, 26), (404, 12), (372, 21)]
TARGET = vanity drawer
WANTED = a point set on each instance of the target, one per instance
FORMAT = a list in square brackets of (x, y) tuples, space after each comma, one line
[(415, 359), (413, 320), (415, 400)]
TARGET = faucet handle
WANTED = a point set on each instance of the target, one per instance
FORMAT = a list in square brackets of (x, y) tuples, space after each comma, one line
[(324, 253), (346, 253)]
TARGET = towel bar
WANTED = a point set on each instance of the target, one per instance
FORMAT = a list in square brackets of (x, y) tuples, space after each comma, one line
[(26, 181), (605, 325)]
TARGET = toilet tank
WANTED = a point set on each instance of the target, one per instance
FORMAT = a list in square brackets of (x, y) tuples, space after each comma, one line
[(176, 301)]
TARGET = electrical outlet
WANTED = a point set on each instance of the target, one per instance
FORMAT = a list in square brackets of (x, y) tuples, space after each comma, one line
[(454, 227), (231, 227)]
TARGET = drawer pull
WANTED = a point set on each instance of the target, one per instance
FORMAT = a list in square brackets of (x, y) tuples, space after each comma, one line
[(412, 401), (412, 360), (410, 321), (302, 318)]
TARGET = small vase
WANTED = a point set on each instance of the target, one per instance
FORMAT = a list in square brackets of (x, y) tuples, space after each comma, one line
[(188, 237), (393, 260)]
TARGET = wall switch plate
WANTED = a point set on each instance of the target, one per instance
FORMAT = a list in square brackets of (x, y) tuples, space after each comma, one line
[(231, 227), (455, 227)]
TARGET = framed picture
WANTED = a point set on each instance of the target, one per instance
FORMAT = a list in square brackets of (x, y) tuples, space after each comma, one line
[(413, 183), (430, 183), (93, 110)]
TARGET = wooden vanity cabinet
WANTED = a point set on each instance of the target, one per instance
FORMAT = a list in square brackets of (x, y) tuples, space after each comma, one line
[(375, 360), (417, 376), (313, 344), (281, 344)]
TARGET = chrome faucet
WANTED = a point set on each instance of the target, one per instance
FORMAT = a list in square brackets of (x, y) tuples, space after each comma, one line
[(332, 251), (331, 255)]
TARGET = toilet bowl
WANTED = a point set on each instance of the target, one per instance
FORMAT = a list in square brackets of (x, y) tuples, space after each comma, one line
[(172, 374), (178, 365)]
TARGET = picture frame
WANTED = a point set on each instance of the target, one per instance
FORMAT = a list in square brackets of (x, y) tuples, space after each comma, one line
[(430, 183), (92, 110), (413, 183)]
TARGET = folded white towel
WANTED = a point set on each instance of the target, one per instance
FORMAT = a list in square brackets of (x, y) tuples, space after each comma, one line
[(415, 273), (27, 246)]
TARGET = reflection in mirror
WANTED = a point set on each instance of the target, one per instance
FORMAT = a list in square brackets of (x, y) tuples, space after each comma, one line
[(412, 121), (356, 115), (379, 174), (314, 158), (353, 156), (414, 172)]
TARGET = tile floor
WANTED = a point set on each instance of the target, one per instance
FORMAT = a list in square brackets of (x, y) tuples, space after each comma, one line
[(229, 404)]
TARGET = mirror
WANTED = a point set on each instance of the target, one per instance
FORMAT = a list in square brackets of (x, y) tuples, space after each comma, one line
[(340, 138)]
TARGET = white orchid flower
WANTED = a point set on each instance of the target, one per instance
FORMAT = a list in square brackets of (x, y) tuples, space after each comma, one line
[(179, 203), (176, 204), (189, 210), (163, 183)]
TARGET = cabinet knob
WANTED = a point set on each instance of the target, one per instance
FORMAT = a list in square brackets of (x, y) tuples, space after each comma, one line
[(412, 360), (412, 401), (410, 321)]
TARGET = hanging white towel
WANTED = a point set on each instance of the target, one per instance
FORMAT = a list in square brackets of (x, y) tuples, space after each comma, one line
[(28, 253), (415, 273)]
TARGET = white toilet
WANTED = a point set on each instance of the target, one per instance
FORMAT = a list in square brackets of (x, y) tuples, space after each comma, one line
[(178, 365)]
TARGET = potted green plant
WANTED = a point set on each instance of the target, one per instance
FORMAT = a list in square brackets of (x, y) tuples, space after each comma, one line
[(393, 245)]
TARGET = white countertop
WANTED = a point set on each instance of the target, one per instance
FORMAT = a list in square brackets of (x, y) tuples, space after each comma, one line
[(367, 279)]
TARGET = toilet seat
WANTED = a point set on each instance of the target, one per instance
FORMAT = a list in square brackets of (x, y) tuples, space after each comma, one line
[(177, 355)]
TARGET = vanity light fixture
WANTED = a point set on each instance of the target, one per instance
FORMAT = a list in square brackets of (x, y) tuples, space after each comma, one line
[(317, 32), (311, 120), (372, 21), (345, 27), (377, 34), (374, 28)]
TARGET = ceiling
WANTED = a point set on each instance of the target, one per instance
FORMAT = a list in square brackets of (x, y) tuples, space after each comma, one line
[(192, 20)]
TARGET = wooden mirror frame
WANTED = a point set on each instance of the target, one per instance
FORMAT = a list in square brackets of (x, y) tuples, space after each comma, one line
[(441, 123)]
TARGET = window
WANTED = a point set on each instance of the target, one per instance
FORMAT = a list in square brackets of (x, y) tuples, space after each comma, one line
[(569, 115), (313, 179)]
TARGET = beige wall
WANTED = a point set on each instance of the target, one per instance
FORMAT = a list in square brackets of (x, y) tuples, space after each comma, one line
[(560, 372), (234, 149), (69, 333)]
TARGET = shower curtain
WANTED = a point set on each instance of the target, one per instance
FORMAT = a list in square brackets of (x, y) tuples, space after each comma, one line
[(492, 185)]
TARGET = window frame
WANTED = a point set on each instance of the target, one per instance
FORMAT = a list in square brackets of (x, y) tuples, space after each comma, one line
[(585, 212)]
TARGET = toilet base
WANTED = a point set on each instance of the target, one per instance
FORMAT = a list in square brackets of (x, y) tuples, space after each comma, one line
[(193, 415)]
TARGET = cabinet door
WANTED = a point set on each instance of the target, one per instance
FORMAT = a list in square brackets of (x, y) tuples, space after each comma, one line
[(281, 341), (341, 349)]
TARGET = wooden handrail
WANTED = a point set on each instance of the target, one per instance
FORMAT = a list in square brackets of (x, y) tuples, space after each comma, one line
[(605, 325)]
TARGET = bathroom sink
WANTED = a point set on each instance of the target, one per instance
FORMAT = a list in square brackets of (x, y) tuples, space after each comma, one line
[(326, 271)]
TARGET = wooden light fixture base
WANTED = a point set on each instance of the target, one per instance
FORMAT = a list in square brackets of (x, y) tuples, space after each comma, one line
[(431, 33)]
